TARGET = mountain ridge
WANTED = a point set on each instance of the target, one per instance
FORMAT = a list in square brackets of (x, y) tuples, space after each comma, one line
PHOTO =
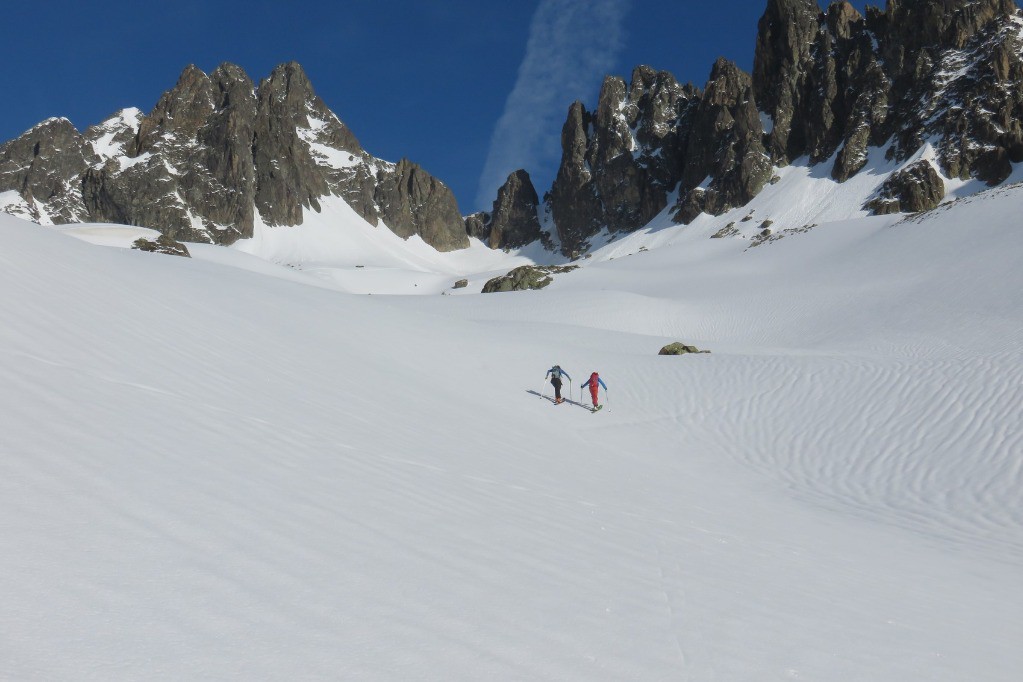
[(215, 150), (827, 86)]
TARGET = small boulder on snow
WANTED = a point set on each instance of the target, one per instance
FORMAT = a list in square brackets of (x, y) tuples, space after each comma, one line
[(526, 277), (679, 348), (162, 244)]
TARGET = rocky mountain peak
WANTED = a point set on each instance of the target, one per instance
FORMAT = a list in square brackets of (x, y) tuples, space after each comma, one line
[(411, 201), (214, 153), (658, 100), (286, 92), (725, 145), (843, 19), (911, 33), (826, 86), (728, 84), (181, 111), (43, 165), (783, 52), (575, 205), (620, 162), (844, 82), (231, 87), (924, 23), (515, 219)]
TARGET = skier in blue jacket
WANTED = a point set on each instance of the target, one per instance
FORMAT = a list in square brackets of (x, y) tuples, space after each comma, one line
[(555, 373), (593, 382)]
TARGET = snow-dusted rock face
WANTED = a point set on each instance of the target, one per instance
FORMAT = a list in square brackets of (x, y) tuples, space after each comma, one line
[(725, 146), (411, 201), (215, 151), (478, 225), (515, 220), (826, 87), (917, 187), (944, 70), (620, 163), (44, 166)]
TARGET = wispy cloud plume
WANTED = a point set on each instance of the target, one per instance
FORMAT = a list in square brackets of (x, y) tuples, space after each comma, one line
[(572, 45)]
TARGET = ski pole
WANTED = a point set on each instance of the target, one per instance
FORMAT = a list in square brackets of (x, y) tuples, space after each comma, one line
[(543, 388)]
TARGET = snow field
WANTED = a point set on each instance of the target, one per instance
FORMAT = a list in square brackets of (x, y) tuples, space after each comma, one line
[(211, 469)]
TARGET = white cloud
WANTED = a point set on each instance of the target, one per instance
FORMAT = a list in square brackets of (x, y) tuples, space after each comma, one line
[(572, 45)]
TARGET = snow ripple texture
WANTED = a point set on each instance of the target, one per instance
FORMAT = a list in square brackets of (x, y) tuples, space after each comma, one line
[(932, 445)]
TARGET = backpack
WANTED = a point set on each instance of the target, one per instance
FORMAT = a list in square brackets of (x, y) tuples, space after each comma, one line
[(555, 372)]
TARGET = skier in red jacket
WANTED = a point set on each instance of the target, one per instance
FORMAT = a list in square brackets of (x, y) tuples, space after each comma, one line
[(593, 382)]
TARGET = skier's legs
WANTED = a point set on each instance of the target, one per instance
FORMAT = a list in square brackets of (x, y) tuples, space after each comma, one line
[(593, 394), (557, 388)]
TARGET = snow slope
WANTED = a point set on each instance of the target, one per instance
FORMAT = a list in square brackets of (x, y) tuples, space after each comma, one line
[(222, 468)]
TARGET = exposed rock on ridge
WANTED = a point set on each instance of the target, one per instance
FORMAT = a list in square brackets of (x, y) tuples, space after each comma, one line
[(215, 154), (920, 69), (620, 163), (515, 219), (411, 201), (784, 45), (725, 145), (916, 187), (43, 166), (830, 85)]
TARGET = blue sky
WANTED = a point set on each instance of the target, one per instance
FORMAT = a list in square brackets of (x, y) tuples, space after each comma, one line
[(470, 91)]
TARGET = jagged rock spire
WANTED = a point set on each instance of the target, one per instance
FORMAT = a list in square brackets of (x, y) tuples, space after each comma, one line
[(43, 165), (725, 144), (515, 217), (620, 162), (780, 70)]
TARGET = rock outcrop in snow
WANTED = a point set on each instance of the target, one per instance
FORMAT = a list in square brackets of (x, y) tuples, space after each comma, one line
[(917, 187)]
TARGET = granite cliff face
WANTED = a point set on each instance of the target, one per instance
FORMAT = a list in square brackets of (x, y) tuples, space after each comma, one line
[(826, 87), (620, 163), (515, 220), (726, 164), (214, 155), (44, 167), (837, 82)]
